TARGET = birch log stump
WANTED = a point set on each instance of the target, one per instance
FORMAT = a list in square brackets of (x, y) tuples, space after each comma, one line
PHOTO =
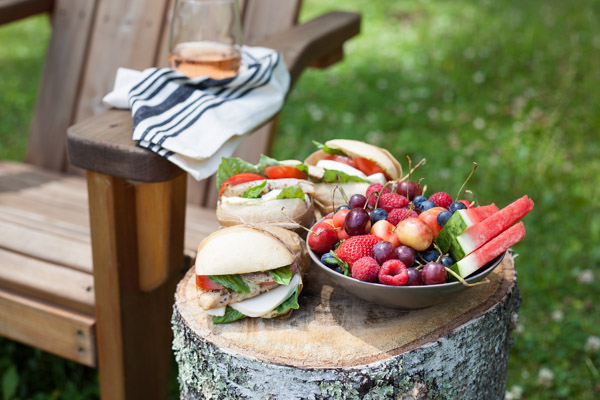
[(338, 346)]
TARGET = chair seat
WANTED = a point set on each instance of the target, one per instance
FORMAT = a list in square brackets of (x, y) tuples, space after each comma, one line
[(44, 233)]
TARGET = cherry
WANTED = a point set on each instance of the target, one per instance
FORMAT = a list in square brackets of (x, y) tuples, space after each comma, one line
[(406, 254), (322, 237), (357, 201), (409, 189), (434, 273), (414, 277), (357, 222), (384, 251)]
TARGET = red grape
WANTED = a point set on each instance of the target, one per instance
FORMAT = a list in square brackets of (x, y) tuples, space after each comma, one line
[(383, 251), (414, 277), (406, 254)]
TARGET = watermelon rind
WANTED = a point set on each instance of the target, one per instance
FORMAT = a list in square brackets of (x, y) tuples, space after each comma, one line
[(458, 222)]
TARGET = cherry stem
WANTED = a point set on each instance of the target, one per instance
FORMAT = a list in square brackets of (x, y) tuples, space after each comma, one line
[(465, 182), (411, 170), (424, 190), (474, 198), (461, 279), (439, 251)]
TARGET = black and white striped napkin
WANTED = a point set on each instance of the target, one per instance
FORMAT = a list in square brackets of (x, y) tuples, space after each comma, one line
[(194, 122)]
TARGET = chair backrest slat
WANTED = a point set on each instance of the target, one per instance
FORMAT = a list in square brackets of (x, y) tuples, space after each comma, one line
[(57, 99)]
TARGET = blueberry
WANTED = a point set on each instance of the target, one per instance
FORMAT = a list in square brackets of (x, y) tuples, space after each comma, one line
[(430, 255), (443, 217), (328, 260), (457, 205), (426, 205), (447, 261), (379, 214), (338, 269), (342, 207), (418, 200)]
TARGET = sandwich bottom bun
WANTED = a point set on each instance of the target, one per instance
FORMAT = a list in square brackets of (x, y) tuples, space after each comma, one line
[(285, 213), (327, 198), (243, 249)]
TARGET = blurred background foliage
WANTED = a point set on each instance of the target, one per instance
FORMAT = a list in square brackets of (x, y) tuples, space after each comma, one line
[(512, 85)]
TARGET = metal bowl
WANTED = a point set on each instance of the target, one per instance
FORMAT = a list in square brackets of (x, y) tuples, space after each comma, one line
[(403, 297)]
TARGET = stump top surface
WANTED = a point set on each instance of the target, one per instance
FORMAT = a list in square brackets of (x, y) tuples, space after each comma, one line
[(333, 328)]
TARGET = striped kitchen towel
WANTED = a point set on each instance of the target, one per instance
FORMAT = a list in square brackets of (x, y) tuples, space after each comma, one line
[(194, 122)]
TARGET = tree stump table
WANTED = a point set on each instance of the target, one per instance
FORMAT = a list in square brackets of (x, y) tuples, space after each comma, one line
[(337, 346)]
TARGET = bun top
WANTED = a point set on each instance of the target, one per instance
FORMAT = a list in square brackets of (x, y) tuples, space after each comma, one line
[(243, 249), (355, 148)]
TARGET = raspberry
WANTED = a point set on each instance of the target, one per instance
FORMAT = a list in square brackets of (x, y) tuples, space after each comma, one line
[(397, 214), (356, 247), (375, 188), (389, 201), (365, 269), (394, 273), (441, 199)]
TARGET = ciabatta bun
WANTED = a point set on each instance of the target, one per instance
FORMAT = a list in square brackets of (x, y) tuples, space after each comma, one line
[(243, 249), (284, 211)]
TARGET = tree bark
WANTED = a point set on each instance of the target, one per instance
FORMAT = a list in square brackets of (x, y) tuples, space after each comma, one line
[(340, 347)]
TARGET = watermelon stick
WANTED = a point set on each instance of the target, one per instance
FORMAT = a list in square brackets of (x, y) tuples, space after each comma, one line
[(490, 250)]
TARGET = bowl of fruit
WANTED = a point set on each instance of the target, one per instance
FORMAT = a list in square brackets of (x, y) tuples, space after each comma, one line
[(394, 247)]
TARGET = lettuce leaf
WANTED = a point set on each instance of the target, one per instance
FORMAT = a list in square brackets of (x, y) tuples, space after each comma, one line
[(328, 150), (332, 176), (233, 282), (282, 275), (291, 192), (255, 191), (303, 168), (290, 303), (231, 166), (230, 316)]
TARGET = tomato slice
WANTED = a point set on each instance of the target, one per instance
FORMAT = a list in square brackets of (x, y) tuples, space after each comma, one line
[(284, 171), (342, 159), (240, 178), (369, 167), (205, 283)]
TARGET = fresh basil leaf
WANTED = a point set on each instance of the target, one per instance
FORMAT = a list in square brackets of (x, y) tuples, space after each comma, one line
[(290, 303), (282, 275), (255, 191), (291, 192), (265, 162), (303, 168), (230, 316), (231, 166), (233, 282), (333, 176), (328, 150)]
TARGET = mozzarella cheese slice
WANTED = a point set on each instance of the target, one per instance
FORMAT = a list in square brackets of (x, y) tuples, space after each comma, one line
[(268, 301), (338, 166), (217, 312), (377, 178)]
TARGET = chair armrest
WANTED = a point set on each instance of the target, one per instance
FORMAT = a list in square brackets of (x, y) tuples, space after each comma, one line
[(313, 41), (103, 142), (12, 10)]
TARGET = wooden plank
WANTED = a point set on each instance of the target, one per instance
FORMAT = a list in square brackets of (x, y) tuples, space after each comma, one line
[(160, 209), (56, 330), (199, 223), (49, 282), (125, 34), (46, 246), (264, 18), (133, 335), (71, 24), (33, 220), (103, 144), (13, 10)]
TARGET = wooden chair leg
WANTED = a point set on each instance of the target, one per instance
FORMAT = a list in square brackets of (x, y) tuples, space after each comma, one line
[(137, 245)]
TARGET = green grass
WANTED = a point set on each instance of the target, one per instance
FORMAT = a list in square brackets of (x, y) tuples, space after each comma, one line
[(512, 85)]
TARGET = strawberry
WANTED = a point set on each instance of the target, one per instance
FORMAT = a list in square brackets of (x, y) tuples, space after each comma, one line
[(441, 199), (389, 201), (397, 214), (375, 188), (357, 247), (365, 269)]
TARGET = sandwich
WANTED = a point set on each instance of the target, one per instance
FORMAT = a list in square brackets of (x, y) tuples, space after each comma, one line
[(250, 271), (350, 165), (274, 192)]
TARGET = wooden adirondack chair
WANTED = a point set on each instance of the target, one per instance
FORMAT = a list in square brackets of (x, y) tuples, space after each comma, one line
[(112, 310)]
